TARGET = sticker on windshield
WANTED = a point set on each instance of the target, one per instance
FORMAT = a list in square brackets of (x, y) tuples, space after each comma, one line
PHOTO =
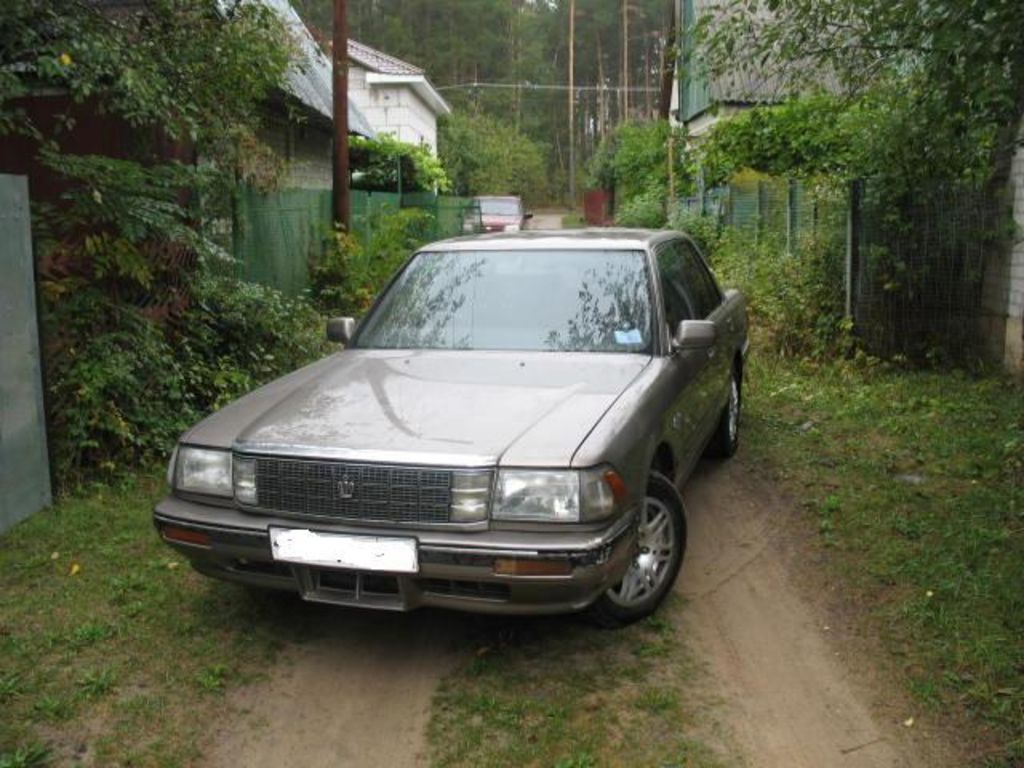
[(631, 336)]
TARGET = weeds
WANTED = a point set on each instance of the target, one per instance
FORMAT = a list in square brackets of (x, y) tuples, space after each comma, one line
[(913, 478)]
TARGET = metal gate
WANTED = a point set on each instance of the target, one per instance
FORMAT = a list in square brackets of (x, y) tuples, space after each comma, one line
[(24, 466)]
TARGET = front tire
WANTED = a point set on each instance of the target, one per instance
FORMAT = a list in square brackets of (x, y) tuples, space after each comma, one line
[(661, 544), (727, 435)]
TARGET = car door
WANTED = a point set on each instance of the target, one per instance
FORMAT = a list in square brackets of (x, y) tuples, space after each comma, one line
[(689, 370), (707, 302)]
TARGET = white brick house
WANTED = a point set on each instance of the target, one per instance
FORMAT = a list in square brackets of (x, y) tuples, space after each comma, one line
[(395, 96)]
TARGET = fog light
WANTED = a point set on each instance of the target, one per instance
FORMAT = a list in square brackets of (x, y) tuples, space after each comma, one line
[(512, 566), (186, 536)]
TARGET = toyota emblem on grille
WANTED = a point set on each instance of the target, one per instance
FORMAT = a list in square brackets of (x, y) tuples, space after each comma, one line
[(346, 487)]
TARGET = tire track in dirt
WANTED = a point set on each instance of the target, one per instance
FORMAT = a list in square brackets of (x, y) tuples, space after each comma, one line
[(358, 695), (789, 697)]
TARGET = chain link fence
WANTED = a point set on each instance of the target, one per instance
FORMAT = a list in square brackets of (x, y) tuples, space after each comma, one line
[(913, 267)]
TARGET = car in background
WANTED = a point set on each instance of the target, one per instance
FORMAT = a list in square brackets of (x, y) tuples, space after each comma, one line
[(505, 431), (502, 214)]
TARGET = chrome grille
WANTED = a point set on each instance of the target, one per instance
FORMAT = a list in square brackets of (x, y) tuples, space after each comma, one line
[(354, 491)]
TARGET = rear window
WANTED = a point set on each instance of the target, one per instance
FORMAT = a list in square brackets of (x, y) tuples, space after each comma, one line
[(510, 207)]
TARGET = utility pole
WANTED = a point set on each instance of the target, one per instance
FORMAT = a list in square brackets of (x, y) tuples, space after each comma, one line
[(625, 61), (572, 105), (340, 101)]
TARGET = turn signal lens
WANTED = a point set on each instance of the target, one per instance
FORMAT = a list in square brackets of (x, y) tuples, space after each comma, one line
[(617, 484), (186, 536), (602, 489), (511, 566)]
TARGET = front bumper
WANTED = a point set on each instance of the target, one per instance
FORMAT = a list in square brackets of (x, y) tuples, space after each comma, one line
[(456, 568)]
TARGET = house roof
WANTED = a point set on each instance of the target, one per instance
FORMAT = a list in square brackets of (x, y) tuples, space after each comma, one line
[(378, 61), (384, 69), (309, 80)]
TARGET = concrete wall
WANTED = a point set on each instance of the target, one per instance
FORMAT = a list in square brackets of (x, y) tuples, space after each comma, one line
[(393, 109), (1003, 289)]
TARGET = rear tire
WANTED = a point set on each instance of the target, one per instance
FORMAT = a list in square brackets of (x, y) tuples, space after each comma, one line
[(661, 544), (727, 435)]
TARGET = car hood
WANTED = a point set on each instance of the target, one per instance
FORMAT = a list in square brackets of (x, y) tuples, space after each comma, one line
[(430, 407)]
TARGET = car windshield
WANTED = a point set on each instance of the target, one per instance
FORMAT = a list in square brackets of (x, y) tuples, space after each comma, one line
[(571, 301), (499, 207)]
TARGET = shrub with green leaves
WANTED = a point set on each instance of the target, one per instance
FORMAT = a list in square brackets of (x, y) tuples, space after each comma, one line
[(798, 296), (634, 161), (347, 277), (122, 388)]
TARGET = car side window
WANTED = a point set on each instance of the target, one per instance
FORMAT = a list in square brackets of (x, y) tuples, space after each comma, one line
[(699, 283), (670, 275)]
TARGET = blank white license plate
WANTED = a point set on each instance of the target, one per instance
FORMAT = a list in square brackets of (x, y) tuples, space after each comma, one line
[(337, 550)]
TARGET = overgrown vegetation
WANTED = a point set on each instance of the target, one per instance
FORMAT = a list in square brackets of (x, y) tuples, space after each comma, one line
[(485, 156), (348, 277), (556, 692), (634, 162), (938, 86), (915, 481), (141, 335), (386, 164)]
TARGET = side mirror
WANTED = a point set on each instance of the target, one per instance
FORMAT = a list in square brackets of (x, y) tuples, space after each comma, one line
[(528, 215), (694, 334), (341, 329)]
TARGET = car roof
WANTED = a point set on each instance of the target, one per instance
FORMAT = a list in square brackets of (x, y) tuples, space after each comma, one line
[(596, 239), (496, 197)]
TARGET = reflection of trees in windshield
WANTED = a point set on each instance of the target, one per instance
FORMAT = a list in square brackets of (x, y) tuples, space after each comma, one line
[(613, 307), (419, 310), (525, 300)]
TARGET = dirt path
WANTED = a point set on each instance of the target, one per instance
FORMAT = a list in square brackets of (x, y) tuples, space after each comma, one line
[(546, 220), (359, 693), (790, 697)]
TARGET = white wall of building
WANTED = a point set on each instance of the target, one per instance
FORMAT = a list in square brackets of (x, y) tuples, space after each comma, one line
[(393, 108)]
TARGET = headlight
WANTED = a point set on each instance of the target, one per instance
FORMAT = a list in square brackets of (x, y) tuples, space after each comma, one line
[(566, 496), (203, 470)]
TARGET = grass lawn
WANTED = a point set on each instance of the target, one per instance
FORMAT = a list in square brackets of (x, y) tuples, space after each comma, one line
[(111, 649), (916, 484)]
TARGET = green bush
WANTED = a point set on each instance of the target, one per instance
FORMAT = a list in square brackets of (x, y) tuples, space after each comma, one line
[(237, 335), (797, 297), (122, 388), (348, 277), (116, 389), (646, 210), (705, 229)]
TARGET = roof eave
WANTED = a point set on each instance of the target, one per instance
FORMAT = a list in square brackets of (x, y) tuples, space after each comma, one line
[(418, 83)]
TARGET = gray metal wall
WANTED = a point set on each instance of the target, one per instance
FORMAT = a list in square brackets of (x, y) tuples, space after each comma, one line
[(24, 468)]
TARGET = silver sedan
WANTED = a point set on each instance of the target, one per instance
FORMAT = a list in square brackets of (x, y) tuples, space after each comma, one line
[(505, 431)]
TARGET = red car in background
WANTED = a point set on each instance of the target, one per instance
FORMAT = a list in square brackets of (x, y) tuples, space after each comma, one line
[(502, 214)]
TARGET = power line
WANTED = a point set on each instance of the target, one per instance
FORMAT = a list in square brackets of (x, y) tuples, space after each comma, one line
[(527, 86)]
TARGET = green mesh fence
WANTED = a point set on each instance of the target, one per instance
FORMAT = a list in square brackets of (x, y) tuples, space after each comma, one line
[(277, 235), (913, 267)]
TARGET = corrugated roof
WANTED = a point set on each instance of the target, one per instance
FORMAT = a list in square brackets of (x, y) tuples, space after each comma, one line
[(378, 61), (309, 81)]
